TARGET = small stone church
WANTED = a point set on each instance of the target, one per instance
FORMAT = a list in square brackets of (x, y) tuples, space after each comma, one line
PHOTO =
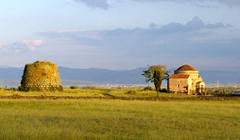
[(186, 80)]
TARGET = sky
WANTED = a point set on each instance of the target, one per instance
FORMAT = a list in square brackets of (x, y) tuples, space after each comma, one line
[(121, 34)]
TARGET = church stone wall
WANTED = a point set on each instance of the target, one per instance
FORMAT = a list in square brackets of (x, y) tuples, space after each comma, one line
[(41, 76), (178, 85)]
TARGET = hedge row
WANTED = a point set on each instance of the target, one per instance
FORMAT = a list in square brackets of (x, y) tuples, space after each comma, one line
[(199, 98)]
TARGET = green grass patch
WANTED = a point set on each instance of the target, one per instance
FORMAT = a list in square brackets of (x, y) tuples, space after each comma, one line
[(94, 92), (117, 119)]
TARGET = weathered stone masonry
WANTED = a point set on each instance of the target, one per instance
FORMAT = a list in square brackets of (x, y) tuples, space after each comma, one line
[(186, 80), (41, 76)]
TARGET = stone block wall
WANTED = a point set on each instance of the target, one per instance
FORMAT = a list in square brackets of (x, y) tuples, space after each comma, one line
[(178, 85), (41, 76)]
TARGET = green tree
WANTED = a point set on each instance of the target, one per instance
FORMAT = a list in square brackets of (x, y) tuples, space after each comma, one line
[(148, 76), (156, 74)]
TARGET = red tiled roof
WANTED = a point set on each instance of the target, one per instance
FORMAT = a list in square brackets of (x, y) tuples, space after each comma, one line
[(186, 67), (179, 76)]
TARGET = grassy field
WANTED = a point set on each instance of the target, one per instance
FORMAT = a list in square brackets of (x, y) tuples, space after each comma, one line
[(118, 119), (101, 92), (90, 92)]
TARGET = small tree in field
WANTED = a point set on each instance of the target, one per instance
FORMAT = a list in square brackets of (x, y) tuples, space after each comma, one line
[(148, 76), (158, 73)]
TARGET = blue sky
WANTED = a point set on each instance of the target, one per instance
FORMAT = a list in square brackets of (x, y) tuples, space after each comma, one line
[(121, 34)]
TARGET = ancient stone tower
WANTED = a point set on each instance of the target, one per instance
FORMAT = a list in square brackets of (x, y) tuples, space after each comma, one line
[(41, 76)]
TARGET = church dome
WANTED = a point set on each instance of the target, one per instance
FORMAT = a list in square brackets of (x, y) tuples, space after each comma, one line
[(186, 67)]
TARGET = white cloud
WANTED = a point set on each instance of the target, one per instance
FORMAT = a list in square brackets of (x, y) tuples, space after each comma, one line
[(21, 46), (31, 44), (68, 1)]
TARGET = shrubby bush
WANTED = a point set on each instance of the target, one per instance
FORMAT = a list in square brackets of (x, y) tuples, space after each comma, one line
[(163, 90), (89, 87), (147, 88), (131, 92), (73, 87), (13, 89)]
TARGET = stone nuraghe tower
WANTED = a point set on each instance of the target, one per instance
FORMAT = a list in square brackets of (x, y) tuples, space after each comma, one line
[(41, 76)]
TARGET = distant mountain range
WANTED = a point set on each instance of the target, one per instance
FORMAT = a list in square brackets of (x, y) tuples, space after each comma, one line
[(10, 76), (103, 76)]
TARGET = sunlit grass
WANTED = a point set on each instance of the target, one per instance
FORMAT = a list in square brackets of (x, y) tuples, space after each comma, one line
[(95, 92), (117, 119)]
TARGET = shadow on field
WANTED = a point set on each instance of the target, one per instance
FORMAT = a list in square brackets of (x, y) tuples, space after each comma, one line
[(221, 95), (107, 93)]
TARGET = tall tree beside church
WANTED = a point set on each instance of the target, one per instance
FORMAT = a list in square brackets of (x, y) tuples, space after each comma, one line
[(159, 73), (157, 80), (148, 77)]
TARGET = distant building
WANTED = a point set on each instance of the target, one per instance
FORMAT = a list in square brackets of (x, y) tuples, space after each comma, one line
[(186, 80)]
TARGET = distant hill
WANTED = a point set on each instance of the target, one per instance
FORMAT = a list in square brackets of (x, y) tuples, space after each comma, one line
[(103, 76), (10, 76), (11, 73), (224, 77)]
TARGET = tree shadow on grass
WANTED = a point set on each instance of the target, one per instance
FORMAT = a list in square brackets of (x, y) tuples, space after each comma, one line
[(108, 94), (221, 95)]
